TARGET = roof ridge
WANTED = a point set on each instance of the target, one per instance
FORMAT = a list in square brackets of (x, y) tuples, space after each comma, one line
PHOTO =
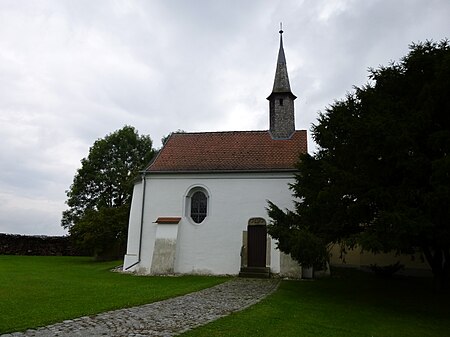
[(217, 132), (210, 132)]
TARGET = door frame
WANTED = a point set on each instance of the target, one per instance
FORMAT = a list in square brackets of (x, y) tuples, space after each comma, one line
[(257, 243)]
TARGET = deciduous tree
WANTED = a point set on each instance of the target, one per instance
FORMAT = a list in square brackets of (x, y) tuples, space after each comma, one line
[(100, 195)]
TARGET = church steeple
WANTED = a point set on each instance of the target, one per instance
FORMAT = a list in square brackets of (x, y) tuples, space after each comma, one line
[(281, 100)]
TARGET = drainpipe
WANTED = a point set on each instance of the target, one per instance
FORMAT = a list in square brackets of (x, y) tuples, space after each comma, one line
[(142, 222)]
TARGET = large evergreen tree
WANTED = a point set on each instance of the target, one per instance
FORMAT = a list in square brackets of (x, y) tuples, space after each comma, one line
[(100, 195), (380, 178)]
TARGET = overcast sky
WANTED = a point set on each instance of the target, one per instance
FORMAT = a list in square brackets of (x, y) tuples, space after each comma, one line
[(73, 71)]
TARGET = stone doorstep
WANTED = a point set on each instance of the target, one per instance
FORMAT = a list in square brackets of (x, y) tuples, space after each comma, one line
[(255, 272)]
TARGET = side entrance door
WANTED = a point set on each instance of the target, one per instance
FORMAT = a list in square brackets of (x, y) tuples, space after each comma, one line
[(257, 243)]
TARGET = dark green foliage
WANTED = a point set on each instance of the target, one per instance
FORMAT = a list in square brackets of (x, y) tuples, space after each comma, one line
[(16, 244), (103, 232), (304, 245), (381, 175), (100, 195)]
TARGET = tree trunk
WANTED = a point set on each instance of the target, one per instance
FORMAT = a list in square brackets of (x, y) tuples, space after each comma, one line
[(439, 261)]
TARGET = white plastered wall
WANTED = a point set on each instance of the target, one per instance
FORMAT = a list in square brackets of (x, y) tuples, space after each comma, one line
[(134, 227), (212, 247)]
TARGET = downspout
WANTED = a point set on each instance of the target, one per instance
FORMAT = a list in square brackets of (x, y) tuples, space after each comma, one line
[(142, 222)]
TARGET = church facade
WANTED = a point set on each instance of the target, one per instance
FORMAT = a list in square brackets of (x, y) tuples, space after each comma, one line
[(200, 205)]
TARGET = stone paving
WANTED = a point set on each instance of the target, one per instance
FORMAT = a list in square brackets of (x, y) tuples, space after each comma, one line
[(165, 318)]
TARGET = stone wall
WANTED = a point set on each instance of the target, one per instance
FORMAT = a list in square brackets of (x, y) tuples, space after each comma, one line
[(11, 244), (414, 264)]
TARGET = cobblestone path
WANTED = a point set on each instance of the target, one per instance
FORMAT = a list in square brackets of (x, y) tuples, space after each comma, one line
[(166, 318)]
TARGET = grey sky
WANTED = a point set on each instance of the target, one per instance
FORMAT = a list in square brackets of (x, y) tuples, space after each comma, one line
[(73, 71)]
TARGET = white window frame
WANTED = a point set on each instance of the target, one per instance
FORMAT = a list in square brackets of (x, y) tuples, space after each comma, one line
[(190, 192)]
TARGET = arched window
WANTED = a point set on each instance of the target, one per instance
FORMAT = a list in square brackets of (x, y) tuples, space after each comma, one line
[(199, 206)]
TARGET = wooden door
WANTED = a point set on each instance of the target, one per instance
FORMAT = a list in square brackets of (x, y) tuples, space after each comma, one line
[(256, 241)]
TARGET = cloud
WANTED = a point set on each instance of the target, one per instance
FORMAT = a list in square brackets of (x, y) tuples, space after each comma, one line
[(73, 71), (29, 215)]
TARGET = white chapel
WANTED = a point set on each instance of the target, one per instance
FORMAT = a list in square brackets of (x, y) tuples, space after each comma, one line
[(200, 205)]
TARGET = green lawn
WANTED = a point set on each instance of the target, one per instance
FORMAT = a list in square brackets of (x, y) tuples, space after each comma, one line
[(36, 291), (351, 303)]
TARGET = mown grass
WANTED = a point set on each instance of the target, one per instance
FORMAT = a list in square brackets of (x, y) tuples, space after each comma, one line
[(351, 303), (36, 291)]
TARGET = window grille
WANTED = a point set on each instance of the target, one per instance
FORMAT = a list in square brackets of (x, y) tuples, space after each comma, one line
[(198, 207)]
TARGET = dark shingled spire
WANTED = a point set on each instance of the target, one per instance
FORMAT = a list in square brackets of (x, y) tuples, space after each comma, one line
[(281, 82), (281, 100)]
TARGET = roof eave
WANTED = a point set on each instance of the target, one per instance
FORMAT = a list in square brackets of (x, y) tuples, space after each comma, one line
[(219, 171), (278, 93)]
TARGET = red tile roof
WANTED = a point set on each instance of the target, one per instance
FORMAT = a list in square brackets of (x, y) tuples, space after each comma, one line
[(229, 151)]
